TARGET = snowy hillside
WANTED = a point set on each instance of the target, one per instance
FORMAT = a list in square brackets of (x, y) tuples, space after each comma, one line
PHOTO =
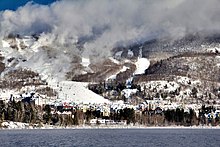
[(50, 62), (57, 64), (78, 93)]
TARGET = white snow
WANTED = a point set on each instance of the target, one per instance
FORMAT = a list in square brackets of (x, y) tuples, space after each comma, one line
[(128, 92), (18, 125), (112, 77), (5, 44), (5, 94), (187, 81), (124, 68), (183, 80), (114, 60), (85, 62), (28, 41), (141, 65), (15, 125), (118, 55), (214, 50), (18, 43), (130, 53), (161, 86), (78, 93)]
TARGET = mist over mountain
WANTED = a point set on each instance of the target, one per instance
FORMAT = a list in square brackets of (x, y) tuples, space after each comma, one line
[(99, 26)]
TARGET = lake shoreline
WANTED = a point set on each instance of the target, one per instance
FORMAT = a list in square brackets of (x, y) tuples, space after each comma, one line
[(9, 125)]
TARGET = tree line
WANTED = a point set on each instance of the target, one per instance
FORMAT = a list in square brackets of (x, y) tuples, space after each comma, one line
[(34, 114)]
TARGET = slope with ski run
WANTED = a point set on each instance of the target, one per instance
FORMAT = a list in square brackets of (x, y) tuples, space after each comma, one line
[(52, 69), (141, 65), (77, 92)]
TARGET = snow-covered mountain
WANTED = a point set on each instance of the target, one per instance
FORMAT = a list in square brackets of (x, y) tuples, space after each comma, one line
[(58, 67), (49, 64), (54, 65)]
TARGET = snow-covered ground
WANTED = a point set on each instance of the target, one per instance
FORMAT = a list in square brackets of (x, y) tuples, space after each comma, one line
[(5, 44), (16, 125), (141, 65), (161, 86), (128, 92), (5, 94), (114, 60), (85, 62), (79, 93), (214, 50), (19, 125)]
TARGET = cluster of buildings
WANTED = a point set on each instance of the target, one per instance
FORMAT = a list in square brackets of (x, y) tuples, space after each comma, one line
[(65, 106)]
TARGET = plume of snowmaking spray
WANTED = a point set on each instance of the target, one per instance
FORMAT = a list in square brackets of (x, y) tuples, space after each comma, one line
[(101, 25)]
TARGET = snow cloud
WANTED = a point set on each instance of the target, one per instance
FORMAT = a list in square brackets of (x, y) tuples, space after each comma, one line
[(101, 25)]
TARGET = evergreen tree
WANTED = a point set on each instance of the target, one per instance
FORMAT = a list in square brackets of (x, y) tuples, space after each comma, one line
[(47, 115)]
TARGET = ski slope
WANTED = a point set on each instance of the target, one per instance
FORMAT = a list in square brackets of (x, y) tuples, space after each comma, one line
[(79, 93), (141, 65)]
